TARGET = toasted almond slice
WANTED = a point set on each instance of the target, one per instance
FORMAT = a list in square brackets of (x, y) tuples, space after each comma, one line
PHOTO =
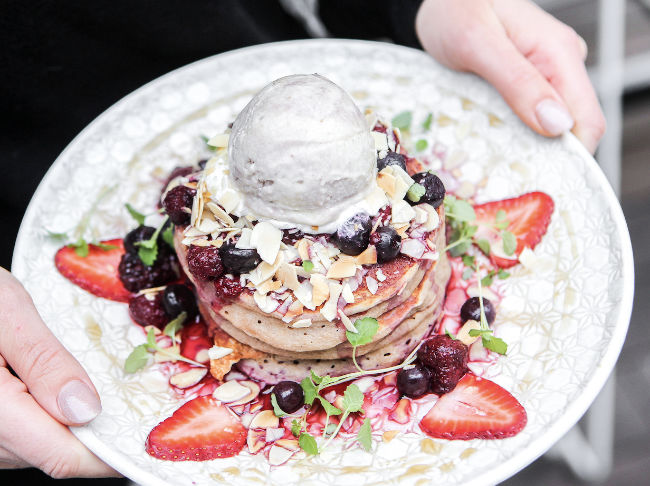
[(279, 455), (254, 391), (386, 180), (220, 140), (389, 435), (164, 357), (463, 334), (347, 294), (264, 420), (303, 248), (290, 444), (380, 275), (342, 269), (347, 322), (372, 285), (288, 274), (188, 378), (220, 214), (230, 391), (265, 303), (301, 323), (266, 238), (368, 256), (203, 356), (401, 212), (274, 434), (255, 440), (208, 226), (413, 248), (375, 200), (264, 271), (295, 309), (329, 310), (320, 288), (304, 294), (268, 286), (244, 241), (217, 352)]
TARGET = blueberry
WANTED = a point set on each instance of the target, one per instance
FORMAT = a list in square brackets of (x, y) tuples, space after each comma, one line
[(238, 260), (392, 158), (387, 242), (179, 298), (434, 189), (289, 395), (353, 236), (413, 382), (471, 309)]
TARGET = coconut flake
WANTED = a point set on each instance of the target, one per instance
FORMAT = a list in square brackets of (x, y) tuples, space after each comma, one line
[(347, 294), (412, 248), (266, 239), (372, 285), (301, 323), (330, 308)]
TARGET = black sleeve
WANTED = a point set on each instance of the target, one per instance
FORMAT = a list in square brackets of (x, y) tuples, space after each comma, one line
[(374, 19)]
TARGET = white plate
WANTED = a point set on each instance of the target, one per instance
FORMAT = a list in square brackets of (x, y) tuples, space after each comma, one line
[(565, 325)]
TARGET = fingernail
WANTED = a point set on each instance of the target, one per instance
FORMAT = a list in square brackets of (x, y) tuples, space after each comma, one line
[(78, 403), (553, 117)]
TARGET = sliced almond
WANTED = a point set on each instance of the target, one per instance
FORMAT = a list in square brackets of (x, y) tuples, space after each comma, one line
[(156, 331), (303, 249), (288, 274), (433, 219), (165, 357), (301, 323), (220, 214), (380, 275), (230, 391), (304, 294), (413, 248), (188, 378), (463, 334), (347, 322), (265, 271), (342, 269), (375, 200), (265, 303), (401, 212), (208, 226), (274, 434), (244, 241), (372, 285), (329, 310), (254, 391), (279, 455), (203, 356), (347, 294), (389, 435), (255, 440), (386, 180), (220, 140), (368, 256), (264, 420), (290, 444), (217, 352), (269, 286), (266, 238), (320, 288), (229, 199), (295, 309)]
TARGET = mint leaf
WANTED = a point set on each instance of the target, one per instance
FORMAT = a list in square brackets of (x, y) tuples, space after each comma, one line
[(502, 274), (460, 248), (495, 344), (309, 390), (329, 430), (104, 246), (509, 242), (276, 408), (426, 124), (365, 435), (480, 332), (308, 266), (352, 399), (80, 247), (448, 333), (421, 145), (366, 330), (315, 378), (137, 359), (484, 245), (467, 273), (415, 192), (175, 325), (487, 280), (168, 235), (329, 408), (402, 120), (469, 261), (151, 338), (139, 217), (463, 211), (148, 255), (296, 427), (308, 444)]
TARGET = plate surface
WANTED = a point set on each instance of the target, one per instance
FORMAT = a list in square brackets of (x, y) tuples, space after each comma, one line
[(565, 323)]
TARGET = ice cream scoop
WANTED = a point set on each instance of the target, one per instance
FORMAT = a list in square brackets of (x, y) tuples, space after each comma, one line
[(302, 155)]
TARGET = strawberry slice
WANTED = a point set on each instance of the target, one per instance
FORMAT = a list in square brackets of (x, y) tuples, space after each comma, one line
[(476, 409), (529, 216), (202, 429), (97, 272)]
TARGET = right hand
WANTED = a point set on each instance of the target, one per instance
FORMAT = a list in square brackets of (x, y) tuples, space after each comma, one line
[(51, 390)]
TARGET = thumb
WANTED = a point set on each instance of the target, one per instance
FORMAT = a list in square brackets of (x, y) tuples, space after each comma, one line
[(53, 377)]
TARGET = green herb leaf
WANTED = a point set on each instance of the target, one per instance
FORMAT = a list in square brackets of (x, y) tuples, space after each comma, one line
[(315, 378), (352, 398), (460, 248), (329, 430), (80, 247), (469, 261), (366, 330), (502, 274), (137, 359), (308, 444), (509, 242), (480, 332), (402, 120), (296, 427), (175, 325), (148, 255), (276, 408), (139, 217), (462, 211), (467, 273), (495, 344), (365, 435), (329, 408), (448, 333), (151, 338), (426, 124), (168, 235), (309, 390), (415, 192), (487, 280), (484, 245), (57, 236), (421, 145), (308, 266)]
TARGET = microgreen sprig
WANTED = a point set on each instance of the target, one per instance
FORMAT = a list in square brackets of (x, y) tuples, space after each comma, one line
[(488, 339)]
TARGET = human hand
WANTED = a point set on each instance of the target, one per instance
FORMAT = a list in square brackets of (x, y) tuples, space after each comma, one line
[(52, 390), (535, 61)]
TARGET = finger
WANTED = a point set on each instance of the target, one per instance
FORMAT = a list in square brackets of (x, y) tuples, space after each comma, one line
[(31, 435), (9, 460), (54, 378)]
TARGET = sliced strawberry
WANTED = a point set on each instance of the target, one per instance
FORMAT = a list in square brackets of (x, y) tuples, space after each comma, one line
[(202, 429), (97, 272), (476, 409), (194, 339), (529, 216)]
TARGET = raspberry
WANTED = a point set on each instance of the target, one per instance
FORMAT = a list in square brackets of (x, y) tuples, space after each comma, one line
[(227, 287), (177, 202), (446, 358), (148, 310), (204, 262), (135, 275)]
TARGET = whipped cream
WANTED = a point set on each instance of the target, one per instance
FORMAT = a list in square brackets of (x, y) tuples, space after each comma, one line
[(300, 155)]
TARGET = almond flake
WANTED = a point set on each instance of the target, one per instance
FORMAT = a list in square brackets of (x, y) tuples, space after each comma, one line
[(217, 352), (266, 239), (372, 285), (290, 444), (402, 212), (255, 440), (381, 141), (412, 248), (375, 200), (301, 323), (433, 220), (165, 357), (208, 226), (220, 214), (230, 391), (347, 294), (244, 241), (463, 334), (288, 274), (421, 215), (322, 254), (203, 356), (265, 420), (295, 309), (368, 256), (329, 310), (279, 455), (188, 378), (254, 391), (387, 182), (320, 288), (347, 322), (380, 275), (269, 286), (303, 249), (265, 303), (220, 140), (274, 434), (342, 269), (264, 271)]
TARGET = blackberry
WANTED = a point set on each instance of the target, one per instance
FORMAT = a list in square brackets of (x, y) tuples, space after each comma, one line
[(204, 262), (135, 275), (178, 201), (148, 310)]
